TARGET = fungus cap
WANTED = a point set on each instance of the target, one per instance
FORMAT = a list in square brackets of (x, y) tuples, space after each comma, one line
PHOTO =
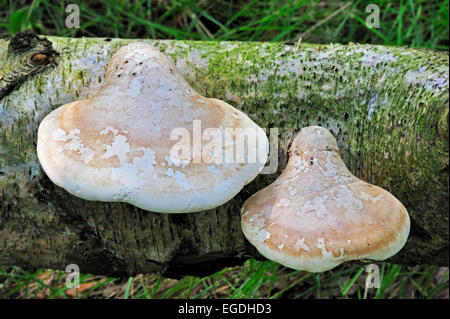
[(316, 214), (146, 138)]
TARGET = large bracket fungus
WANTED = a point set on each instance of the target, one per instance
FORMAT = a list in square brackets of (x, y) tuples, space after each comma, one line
[(123, 143), (317, 215)]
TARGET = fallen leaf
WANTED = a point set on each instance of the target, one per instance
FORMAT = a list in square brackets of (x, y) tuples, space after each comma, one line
[(74, 292)]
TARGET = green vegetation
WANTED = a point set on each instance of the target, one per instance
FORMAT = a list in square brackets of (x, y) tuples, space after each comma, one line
[(252, 280), (413, 23)]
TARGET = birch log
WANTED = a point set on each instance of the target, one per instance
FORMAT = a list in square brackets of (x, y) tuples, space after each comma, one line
[(387, 106)]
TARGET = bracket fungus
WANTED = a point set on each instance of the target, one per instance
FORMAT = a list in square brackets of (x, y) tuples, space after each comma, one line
[(139, 140), (316, 214)]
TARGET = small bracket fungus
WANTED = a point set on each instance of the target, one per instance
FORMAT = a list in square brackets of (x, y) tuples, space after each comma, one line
[(316, 214), (140, 140)]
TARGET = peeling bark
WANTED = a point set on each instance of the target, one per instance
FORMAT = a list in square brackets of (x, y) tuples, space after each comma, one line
[(387, 106)]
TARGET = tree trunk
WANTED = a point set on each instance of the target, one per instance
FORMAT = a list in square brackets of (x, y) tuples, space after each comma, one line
[(387, 106)]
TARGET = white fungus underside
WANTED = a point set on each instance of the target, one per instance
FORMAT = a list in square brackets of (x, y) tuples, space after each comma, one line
[(257, 234), (328, 260)]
